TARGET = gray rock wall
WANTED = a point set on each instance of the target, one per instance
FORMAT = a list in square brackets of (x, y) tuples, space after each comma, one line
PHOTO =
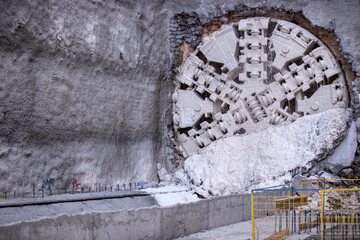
[(80, 91), (85, 85)]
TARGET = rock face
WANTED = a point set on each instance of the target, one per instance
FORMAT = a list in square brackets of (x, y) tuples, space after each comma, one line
[(84, 85), (340, 161), (238, 163), (79, 93)]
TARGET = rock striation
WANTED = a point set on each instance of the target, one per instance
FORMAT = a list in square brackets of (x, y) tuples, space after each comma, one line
[(79, 93)]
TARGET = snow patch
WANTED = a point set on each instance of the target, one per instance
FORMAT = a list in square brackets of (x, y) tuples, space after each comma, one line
[(170, 199), (166, 189), (171, 195)]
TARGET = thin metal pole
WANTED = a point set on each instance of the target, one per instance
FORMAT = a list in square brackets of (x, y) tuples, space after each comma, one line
[(321, 215), (252, 217)]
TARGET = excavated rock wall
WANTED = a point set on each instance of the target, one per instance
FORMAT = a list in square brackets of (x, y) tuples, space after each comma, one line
[(80, 93), (85, 86)]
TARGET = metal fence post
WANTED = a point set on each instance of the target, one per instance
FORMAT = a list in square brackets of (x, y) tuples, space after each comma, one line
[(321, 215), (252, 217)]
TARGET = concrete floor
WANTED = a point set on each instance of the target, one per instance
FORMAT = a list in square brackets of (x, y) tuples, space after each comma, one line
[(238, 231)]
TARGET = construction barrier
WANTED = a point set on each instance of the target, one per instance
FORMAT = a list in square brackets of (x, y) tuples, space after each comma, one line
[(305, 213), (340, 214), (280, 213)]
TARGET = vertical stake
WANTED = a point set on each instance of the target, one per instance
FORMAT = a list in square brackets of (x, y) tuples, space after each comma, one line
[(252, 217)]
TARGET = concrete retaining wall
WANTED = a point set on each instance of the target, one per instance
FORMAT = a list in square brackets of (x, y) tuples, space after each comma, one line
[(145, 223)]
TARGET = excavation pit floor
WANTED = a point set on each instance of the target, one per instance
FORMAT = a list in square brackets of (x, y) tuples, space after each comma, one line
[(238, 231)]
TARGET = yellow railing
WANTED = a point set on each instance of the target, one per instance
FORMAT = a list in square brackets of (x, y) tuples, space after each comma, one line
[(319, 213), (324, 183), (280, 213), (340, 213)]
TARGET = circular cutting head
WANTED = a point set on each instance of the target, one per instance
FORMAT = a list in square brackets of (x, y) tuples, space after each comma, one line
[(250, 75)]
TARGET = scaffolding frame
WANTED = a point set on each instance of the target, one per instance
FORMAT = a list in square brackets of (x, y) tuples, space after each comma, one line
[(319, 213)]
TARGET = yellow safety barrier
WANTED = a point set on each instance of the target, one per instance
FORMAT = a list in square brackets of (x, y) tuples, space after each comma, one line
[(323, 183), (305, 213), (281, 213), (340, 213)]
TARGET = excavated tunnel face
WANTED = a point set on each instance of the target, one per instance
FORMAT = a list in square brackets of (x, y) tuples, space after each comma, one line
[(252, 74)]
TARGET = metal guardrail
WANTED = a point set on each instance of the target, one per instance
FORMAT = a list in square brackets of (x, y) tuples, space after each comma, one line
[(49, 191), (280, 213), (340, 213), (327, 209), (20, 202)]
